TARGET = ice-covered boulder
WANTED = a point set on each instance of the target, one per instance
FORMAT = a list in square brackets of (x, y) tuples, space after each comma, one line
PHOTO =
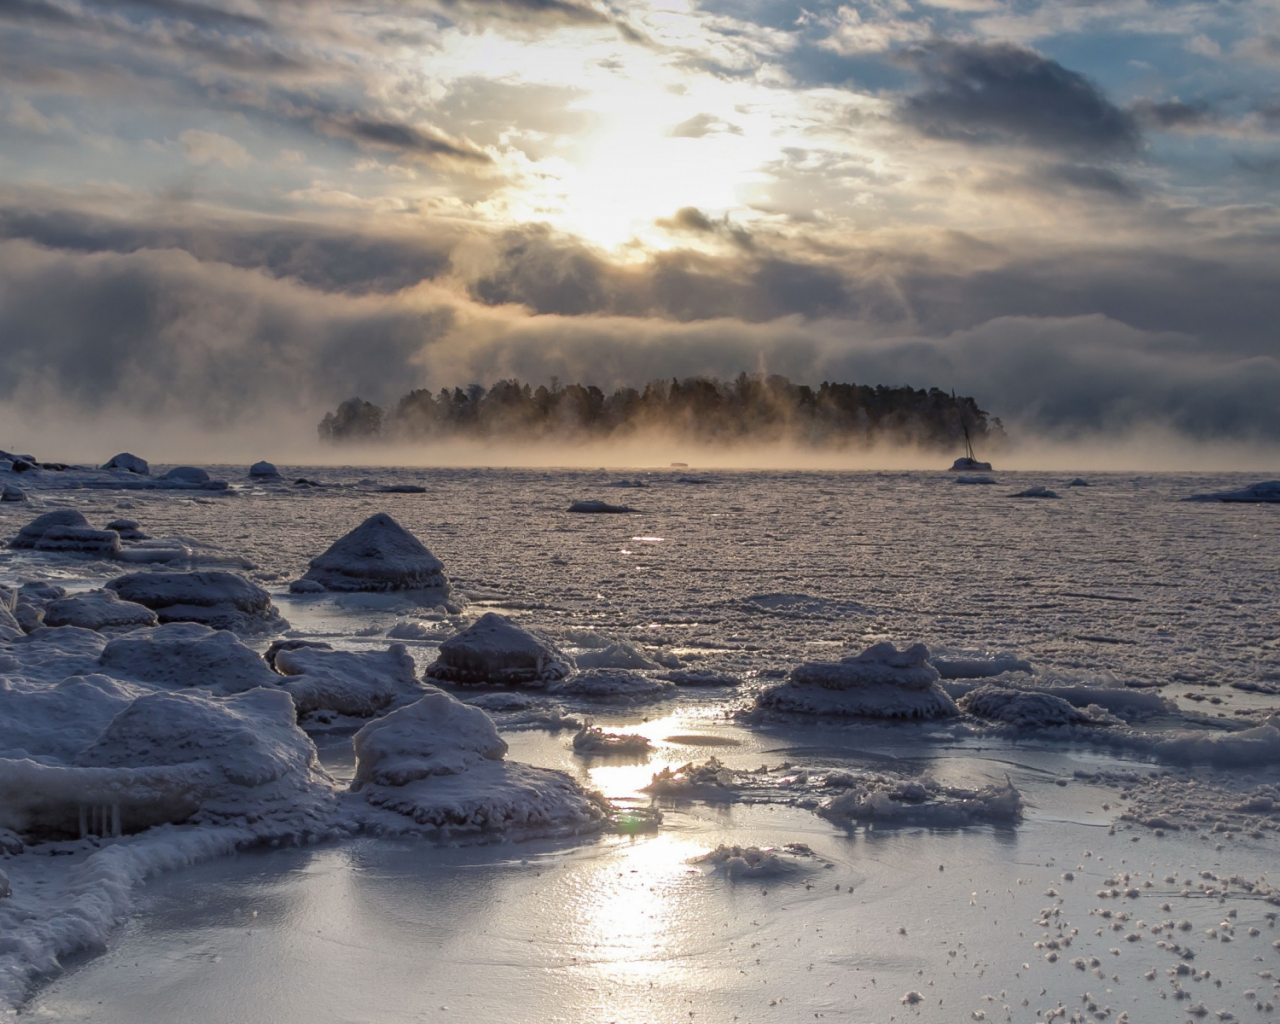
[(438, 763), (881, 682), (184, 654), (223, 600), (1264, 492), (31, 599), (129, 463), (1028, 709), (613, 684), (127, 529), (57, 722), (619, 655), (599, 508), (66, 529), (1038, 491), (493, 649), (188, 475), (97, 610), (701, 677), (8, 492), (355, 683), (263, 471), (378, 555)]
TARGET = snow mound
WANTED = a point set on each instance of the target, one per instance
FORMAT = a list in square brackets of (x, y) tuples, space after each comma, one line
[(127, 528), (263, 471), (378, 555), (1039, 491), (1079, 482), (223, 600), (591, 739), (1029, 710), (169, 758), (97, 610), (754, 862), (881, 682), (979, 668), (128, 463), (701, 677), (355, 683), (184, 654), (1263, 492), (57, 722), (618, 655), (613, 684), (493, 649), (188, 475), (975, 479), (599, 507), (66, 530), (881, 801), (438, 762), (47, 656)]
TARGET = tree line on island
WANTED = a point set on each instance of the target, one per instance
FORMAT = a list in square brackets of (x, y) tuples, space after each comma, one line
[(751, 407)]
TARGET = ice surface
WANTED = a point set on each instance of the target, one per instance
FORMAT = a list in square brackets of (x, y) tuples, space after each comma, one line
[(128, 463), (378, 555), (223, 600), (97, 610), (616, 655), (978, 668), (355, 683), (1265, 491), (493, 649), (881, 682)]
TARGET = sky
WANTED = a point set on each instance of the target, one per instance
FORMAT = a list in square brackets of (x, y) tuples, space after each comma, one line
[(237, 212)]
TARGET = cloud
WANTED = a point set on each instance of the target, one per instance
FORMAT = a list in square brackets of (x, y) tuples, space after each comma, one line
[(1004, 94), (1174, 115), (200, 147), (407, 139), (701, 125)]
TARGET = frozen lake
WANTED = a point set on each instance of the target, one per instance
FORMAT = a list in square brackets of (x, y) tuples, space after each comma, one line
[(750, 574)]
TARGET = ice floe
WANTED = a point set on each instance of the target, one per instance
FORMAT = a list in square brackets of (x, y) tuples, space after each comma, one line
[(223, 600), (881, 682), (97, 610), (613, 684), (187, 654), (1263, 492), (925, 802), (701, 677), (599, 507), (378, 555), (495, 650), (188, 475), (1031, 710), (358, 684), (1038, 491), (975, 479), (439, 763)]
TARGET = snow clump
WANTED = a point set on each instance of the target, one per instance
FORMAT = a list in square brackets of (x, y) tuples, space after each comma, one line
[(978, 668), (752, 862), (378, 555), (223, 600), (881, 682), (493, 649)]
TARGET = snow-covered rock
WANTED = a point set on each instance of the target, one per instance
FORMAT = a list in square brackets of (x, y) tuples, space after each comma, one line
[(1028, 709), (129, 463), (618, 655), (1079, 482), (355, 683), (1038, 491), (599, 507), (127, 529), (881, 682), (1264, 492), (66, 529), (493, 649), (54, 723), (263, 471), (223, 600), (613, 684), (8, 492), (378, 555), (184, 654), (701, 677), (188, 474), (438, 763), (97, 610)]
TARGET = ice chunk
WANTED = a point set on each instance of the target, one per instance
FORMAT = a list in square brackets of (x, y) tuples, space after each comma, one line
[(889, 802), (263, 471), (408, 629), (223, 600), (1079, 482), (127, 528), (619, 655), (97, 610), (752, 861), (493, 649), (1028, 709), (378, 555), (356, 683), (188, 475), (978, 668), (613, 684), (1265, 491), (184, 654), (66, 530), (710, 781), (439, 764), (881, 682), (701, 677), (1039, 491), (591, 739), (8, 492), (599, 507), (129, 463)]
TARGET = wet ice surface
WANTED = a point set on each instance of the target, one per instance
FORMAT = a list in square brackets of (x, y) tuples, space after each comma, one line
[(747, 575)]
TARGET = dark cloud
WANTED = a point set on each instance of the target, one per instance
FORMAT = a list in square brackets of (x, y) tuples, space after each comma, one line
[(323, 258), (404, 138), (1097, 181), (691, 219), (1174, 114), (1003, 94), (530, 10)]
